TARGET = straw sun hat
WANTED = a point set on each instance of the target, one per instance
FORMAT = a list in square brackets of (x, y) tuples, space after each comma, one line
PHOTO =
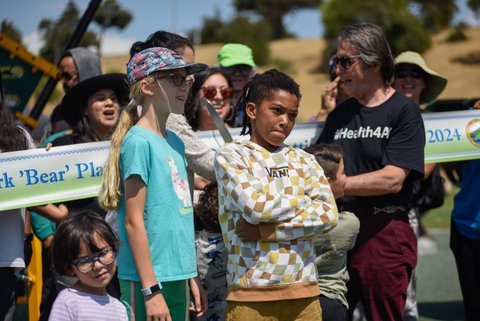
[(435, 83)]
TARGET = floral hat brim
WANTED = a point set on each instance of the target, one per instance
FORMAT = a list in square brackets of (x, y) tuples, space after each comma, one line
[(151, 60)]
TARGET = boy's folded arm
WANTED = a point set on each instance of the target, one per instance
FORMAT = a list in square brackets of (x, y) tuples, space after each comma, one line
[(249, 195), (309, 221), (320, 214)]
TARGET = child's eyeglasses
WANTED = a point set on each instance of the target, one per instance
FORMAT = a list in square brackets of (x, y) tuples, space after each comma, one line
[(85, 264), (404, 73), (243, 70), (177, 79), (66, 75), (345, 61), (211, 91)]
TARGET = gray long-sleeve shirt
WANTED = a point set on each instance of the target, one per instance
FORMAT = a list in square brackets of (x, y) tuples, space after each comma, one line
[(199, 156)]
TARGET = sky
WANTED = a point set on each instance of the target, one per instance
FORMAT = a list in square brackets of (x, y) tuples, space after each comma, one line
[(179, 16)]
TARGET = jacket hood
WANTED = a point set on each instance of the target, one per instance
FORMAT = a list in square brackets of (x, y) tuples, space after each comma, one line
[(87, 63)]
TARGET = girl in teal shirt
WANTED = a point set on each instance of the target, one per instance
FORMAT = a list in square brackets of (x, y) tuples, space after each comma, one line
[(145, 180)]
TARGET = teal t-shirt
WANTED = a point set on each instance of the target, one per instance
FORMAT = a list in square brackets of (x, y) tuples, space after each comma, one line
[(168, 215)]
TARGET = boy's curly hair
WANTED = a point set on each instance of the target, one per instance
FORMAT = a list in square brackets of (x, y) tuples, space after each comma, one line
[(207, 208)]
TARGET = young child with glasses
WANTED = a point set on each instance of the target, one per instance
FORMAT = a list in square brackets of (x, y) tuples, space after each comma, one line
[(263, 181), (145, 180), (86, 247)]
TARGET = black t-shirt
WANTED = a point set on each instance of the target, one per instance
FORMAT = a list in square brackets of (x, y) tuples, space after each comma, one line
[(373, 137)]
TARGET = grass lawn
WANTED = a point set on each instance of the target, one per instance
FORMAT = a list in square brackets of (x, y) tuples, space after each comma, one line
[(440, 217)]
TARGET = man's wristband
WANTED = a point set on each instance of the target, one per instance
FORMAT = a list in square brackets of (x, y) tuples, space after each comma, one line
[(152, 290)]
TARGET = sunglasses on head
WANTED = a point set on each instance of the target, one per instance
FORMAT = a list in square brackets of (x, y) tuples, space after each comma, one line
[(211, 91), (66, 75), (243, 70), (177, 79), (404, 73), (344, 61)]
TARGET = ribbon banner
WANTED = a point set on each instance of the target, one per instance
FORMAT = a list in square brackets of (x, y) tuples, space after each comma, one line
[(35, 177)]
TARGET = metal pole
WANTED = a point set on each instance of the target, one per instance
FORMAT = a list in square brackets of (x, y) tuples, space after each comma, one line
[(74, 41)]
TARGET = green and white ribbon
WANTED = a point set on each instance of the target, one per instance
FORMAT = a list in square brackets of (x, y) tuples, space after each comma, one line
[(35, 177)]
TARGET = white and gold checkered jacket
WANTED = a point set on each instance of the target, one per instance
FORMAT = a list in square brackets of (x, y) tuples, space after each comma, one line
[(287, 194)]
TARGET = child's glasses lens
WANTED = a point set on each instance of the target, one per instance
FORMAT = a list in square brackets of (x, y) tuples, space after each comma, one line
[(85, 264), (404, 73), (211, 91)]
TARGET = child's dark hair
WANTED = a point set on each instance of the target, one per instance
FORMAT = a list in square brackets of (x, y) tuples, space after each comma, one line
[(328, 156), (12, 137), (207, 208), (164, 39), (79, 227), (262, 86)]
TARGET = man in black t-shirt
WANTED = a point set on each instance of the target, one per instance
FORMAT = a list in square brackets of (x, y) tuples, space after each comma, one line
[(382, 134)]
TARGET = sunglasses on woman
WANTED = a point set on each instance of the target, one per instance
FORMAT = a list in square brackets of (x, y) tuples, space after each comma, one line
[(66, 75), (344, 61), (211, 91), (404, 73), (177, 79)]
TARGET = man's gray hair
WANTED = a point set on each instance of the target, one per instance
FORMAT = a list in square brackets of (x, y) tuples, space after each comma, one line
[(373, 47)]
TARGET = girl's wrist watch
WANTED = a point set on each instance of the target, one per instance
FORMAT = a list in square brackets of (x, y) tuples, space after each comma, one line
[(152, 290)]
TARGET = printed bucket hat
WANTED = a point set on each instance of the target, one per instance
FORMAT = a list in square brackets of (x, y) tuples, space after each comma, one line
[(151, 60)]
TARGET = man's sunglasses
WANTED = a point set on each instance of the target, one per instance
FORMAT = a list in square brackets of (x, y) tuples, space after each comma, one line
[(66, 75), (211, 91), (243, 70), (404, 73), (344, 61), (177, 79)]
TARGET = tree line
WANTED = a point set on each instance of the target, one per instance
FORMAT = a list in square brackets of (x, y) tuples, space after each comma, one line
[(408, 24)]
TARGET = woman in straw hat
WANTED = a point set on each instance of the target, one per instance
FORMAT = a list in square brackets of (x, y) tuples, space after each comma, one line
[(420, 83), (416, 80)]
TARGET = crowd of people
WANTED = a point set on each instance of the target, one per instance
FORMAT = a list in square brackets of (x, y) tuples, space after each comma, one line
[(258, 229)]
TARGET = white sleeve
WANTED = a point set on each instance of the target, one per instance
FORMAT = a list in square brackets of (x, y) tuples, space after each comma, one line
[(30, 142)]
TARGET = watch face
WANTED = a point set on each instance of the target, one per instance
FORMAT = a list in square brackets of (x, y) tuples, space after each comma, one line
[(151, 290), (155, 288)]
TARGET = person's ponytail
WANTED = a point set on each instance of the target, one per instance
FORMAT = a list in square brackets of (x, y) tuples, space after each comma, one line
[(110, 193)]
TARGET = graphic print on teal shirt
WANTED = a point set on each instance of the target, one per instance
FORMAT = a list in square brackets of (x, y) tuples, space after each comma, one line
[(180, 186)]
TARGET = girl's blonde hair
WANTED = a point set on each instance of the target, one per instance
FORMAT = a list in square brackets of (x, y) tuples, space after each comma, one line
[(110, 193)]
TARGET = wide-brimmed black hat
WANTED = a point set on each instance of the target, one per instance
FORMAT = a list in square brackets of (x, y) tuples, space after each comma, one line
[(73, 104)]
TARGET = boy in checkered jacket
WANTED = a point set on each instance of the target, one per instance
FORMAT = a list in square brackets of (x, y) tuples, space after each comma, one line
[(285, 193)]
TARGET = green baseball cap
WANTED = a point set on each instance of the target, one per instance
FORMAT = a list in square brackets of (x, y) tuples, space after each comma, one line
[(233, 54), (435, 83)]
